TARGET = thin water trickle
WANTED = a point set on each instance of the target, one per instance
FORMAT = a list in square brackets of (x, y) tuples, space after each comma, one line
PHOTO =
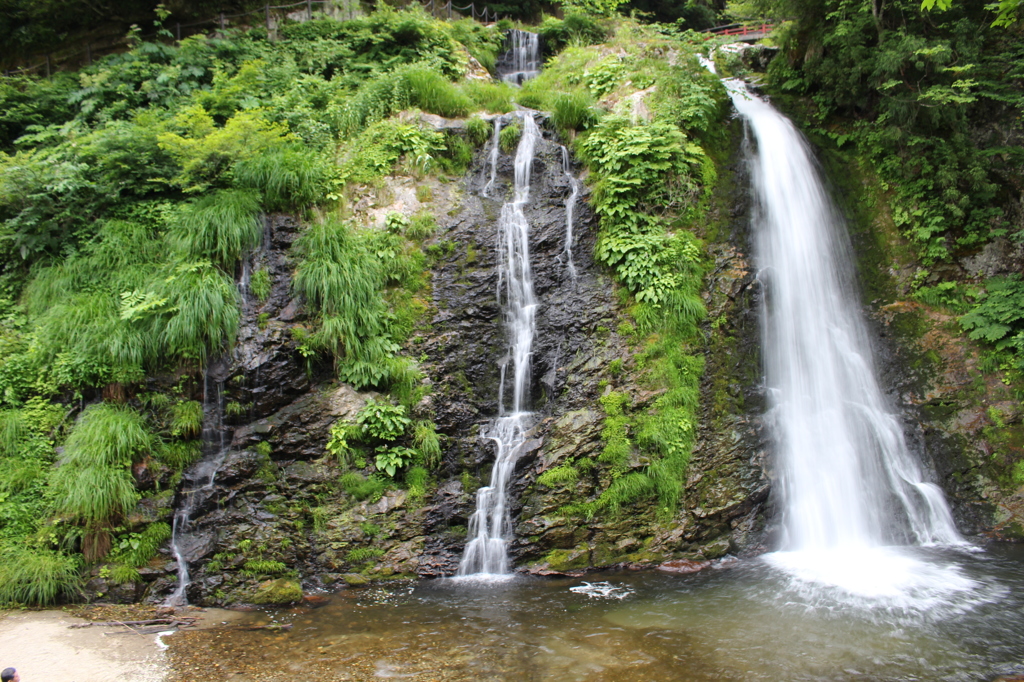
[(521, 61), (852, 491), (200, 477), (570, 211), (495, 148), (490, 527)]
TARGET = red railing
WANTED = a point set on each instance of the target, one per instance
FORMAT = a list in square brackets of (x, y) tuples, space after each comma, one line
[(741, 30)]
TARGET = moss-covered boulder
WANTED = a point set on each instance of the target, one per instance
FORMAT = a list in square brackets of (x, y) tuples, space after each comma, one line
[(280, 591)]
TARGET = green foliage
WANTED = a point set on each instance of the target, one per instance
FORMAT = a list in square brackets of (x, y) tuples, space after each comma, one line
[(478, 130), (391, 458), (576, 29), (363, 488), (136, 549), (559, 476), (37, 577), (509, 136), (94, 484), (337, 443), (121, 575), (384, 144), (370, 530), (260, 284), (179, 454), (422, 226), (432, 92), (416, 478), (494, 98), (428, 444), (288, 178), (219, 227), (362, 555), (378, 421), (341, 277), (203, 310), (187, 419), (998, 318), (259, 567), (263, 448), (574, 111)]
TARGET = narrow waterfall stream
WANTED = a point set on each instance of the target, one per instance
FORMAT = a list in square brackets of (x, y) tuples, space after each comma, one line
[(852, 492), (199, 483), (570, 210), (490, 526)]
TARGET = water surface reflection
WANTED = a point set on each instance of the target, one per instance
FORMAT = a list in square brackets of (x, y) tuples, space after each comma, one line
[(748, 622)]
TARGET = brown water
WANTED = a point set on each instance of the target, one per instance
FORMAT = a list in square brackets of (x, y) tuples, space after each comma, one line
[(746, 622)]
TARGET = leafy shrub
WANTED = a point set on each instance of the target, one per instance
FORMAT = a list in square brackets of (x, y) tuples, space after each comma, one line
[(509, 136), (289, 177), (391, 458), (575, 29), (478, 131), (381, 421), (260, 285), (219, 227), (562, 475), (432, 92), (337, 443), (494, 98), (37, 577), (363, 554), (574, 111), (187, 419), (178, 454), (998, 318), (362, 488), (203, 310), (258, 567), (428, 444)]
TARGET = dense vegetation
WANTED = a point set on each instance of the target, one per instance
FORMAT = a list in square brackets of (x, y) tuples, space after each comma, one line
[(131, 191)]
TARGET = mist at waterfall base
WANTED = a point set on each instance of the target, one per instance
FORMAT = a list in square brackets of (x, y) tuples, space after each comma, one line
[(853, 496)]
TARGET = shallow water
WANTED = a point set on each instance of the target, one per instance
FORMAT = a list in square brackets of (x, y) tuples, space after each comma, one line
[(750, 621)]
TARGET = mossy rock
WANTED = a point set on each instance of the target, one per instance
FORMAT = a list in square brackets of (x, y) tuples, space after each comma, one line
[(567, 560), (280, 591), (355, 579)]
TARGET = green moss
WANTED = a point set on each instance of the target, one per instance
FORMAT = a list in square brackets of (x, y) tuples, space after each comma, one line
[(566, 559), (278, 592)]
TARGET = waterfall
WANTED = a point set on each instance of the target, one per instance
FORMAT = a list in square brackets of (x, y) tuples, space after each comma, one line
[(570, 209), (201, 478), (490, 527), (521, 61), (495, 148), (850, 487)]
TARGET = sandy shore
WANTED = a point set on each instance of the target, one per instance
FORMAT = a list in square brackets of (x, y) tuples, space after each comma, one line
[(44, 649)]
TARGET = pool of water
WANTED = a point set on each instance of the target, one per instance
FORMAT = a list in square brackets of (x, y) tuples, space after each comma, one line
[(757, 619)]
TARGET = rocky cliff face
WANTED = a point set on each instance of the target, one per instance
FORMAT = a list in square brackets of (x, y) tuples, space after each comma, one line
[(276, 497)]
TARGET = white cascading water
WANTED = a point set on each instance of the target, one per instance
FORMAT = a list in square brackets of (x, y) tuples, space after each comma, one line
[(522, 60), (202, 476), (490, 527), (854, 496), (570, 211), (495, 148)]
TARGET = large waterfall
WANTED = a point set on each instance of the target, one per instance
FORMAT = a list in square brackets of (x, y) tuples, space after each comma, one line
[(490, 527), (849, 485)]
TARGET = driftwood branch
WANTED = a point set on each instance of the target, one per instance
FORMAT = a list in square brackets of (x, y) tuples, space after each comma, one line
[(184, 622)]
